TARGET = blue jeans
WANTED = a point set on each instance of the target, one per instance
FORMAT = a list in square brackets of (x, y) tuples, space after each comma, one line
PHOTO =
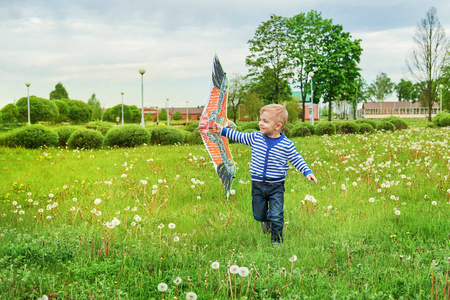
[(267, 203)]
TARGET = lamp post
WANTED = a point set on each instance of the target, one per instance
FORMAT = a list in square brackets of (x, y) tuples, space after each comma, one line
[(311, 107), (157, 116), (441, 87), (167, 110), (187, 112), (122, 106), (28, 100), (142, 72)]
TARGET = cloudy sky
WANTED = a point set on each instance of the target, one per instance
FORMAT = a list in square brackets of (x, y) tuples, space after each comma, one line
[(98, 46)]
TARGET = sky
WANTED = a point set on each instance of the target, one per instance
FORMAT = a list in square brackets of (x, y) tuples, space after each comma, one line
[(98, 46)]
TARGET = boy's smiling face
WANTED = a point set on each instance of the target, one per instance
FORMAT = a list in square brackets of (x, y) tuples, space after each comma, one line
[(269, 124)]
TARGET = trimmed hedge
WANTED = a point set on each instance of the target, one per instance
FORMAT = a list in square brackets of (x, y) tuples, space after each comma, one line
[(64, 134), (85, 138), (166, 135), (193, 126), (347, 127), (437, 117), (444, 121), (325, 127), (398, 122), (366, 128), (254, 125), (127, 136), (33, 136), (103, 127), (193, 138), (300, 131), (386, 126), (367, 121)]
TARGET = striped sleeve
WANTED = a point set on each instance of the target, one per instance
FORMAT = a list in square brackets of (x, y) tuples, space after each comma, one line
[(246, 138), (297, 160)]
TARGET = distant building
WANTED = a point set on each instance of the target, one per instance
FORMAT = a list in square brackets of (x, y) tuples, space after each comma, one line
[(193, 113), (403, 109)]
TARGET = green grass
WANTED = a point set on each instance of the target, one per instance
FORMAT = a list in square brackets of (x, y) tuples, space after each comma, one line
[(347, 247)]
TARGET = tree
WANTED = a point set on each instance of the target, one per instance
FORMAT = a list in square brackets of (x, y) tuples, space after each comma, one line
[(293, 110), (405, 90), (79, 111), (381, 88), (269, 66), (112, 112), (59, 93), (426, 60), (162, 115), (358, 94), (445, 82), (63, 110), (40, 109), (97, 110), (252, 105), (236, 94), (10, 113), (176, 116)]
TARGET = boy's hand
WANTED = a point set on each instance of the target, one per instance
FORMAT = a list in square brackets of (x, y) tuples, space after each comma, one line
[(313, 178), (216, 128)]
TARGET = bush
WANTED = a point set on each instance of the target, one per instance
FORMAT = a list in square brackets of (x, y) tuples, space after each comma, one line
[(432, 125), (444, 120), (194, 138), (398, 122), (366, 128), (33, 136), (437, 117), (347, 127), (103, 127), (127, 136), (85, 138), (64, 134), (386, 126), (300, 131), (166, 135), (325, 128), (287, 129), (367, 121), (310, 126), (193, 126), (254, 125)]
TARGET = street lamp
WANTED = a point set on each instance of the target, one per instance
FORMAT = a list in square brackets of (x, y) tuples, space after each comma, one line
[(167, 110), (142, 72), (311, 107), (157, 116), (187, 112), (441, 87), (28, 101), (122, 106)]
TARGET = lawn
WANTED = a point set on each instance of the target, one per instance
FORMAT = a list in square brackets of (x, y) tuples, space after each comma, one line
[(153, 222)]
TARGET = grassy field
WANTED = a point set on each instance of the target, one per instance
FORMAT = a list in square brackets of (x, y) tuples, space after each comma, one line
[(153, 222)]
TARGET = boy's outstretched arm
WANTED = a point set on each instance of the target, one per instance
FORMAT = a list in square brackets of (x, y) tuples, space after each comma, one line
[(216, 128), (313, 178)]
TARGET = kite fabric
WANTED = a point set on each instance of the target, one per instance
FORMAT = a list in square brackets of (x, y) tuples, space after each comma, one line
[(216, 111)]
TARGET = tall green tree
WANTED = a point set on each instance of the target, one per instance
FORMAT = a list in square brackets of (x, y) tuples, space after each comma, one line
[(59, 93), (238, 88), (427, 58), (97, 110), (40, 109), (268, 63), (252, 104), (406, 90), (10, 113), (381, 88)]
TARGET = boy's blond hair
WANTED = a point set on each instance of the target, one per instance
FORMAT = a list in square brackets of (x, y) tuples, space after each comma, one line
[(279, 110)]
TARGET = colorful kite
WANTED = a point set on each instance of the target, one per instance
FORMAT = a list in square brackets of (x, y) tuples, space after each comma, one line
[(216, 111)]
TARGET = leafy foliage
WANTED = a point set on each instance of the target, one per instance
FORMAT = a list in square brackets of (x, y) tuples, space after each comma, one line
[(367, 121), (63, 110), (325, 127), (103, 127), (386, 126), (347, 127), (193, 137), (253, 125), (444, 121), (64, 134), (40, 109), (166, 135), (59, 93), (85, 139), (300, 131), (127, 136), (33, 136), (79, 111), (398, 122), (10, 113), (366, 128)]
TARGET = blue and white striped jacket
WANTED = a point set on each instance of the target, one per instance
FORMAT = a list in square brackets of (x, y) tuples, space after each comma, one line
[(269, 163)]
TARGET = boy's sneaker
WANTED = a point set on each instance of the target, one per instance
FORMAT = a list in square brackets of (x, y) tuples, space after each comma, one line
[(266, 227)]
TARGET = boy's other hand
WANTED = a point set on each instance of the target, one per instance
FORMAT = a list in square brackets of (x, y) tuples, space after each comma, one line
[(216, 128), (313, 178)]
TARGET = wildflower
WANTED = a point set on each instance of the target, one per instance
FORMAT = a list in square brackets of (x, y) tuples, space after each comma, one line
[(293, 258), (397, 212), (21, 212), (232, 192), (160, 226), (434, 203), (115, 221), (371, 200), (133, 224), (97, 201), (49, 217), (234, 269), (134, 209), (144, 182), (98, 213), (124, 176), (74, 199), (162, 287), (243, 271), (330, 207), (191, 296), (215, 265), (176, 239), (425, 197), (41, 210), (51, 195), (137, 218), (110, 225), (14, 203), (177, 280), (171, 226)]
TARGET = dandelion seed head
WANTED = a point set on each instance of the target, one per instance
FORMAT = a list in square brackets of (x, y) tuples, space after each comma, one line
[(162, 287)]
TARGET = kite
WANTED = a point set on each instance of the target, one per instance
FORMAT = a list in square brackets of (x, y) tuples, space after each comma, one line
[(216, 111)]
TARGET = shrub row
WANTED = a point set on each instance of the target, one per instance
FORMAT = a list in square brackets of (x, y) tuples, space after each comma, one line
[(442, 119)]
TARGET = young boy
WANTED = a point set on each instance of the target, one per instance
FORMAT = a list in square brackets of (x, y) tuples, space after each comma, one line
[(271, 150)]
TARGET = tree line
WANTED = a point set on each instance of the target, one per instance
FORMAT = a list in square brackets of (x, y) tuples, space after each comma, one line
[(288, 53)]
